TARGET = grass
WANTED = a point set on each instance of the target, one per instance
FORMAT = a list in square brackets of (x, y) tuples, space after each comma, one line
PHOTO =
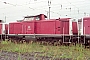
[(77, 52)]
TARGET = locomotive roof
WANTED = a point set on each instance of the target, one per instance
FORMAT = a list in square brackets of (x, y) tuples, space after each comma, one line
[(64, 18), (86, 18), (35, 16)]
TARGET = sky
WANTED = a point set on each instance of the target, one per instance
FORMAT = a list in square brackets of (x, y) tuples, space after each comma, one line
[(12, 10)]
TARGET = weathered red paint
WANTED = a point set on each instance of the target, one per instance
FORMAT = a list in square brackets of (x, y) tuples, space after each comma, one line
[(65, 25), (28, 27), (74, 28), (86, 25), (15, 28), (52, 27), (42, 26)]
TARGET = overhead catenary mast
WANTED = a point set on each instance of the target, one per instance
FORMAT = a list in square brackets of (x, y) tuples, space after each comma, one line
[(49, 3)]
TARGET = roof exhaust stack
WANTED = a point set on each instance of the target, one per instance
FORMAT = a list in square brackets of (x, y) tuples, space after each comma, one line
[(42, 17)]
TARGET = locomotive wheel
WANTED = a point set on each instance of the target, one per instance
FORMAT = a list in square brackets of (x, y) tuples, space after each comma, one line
[(56, 42)]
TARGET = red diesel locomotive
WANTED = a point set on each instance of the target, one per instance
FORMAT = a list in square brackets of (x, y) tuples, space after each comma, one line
[(39, 28)]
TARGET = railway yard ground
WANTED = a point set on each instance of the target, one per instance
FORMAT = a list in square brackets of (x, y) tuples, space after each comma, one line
[(37, 51)]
